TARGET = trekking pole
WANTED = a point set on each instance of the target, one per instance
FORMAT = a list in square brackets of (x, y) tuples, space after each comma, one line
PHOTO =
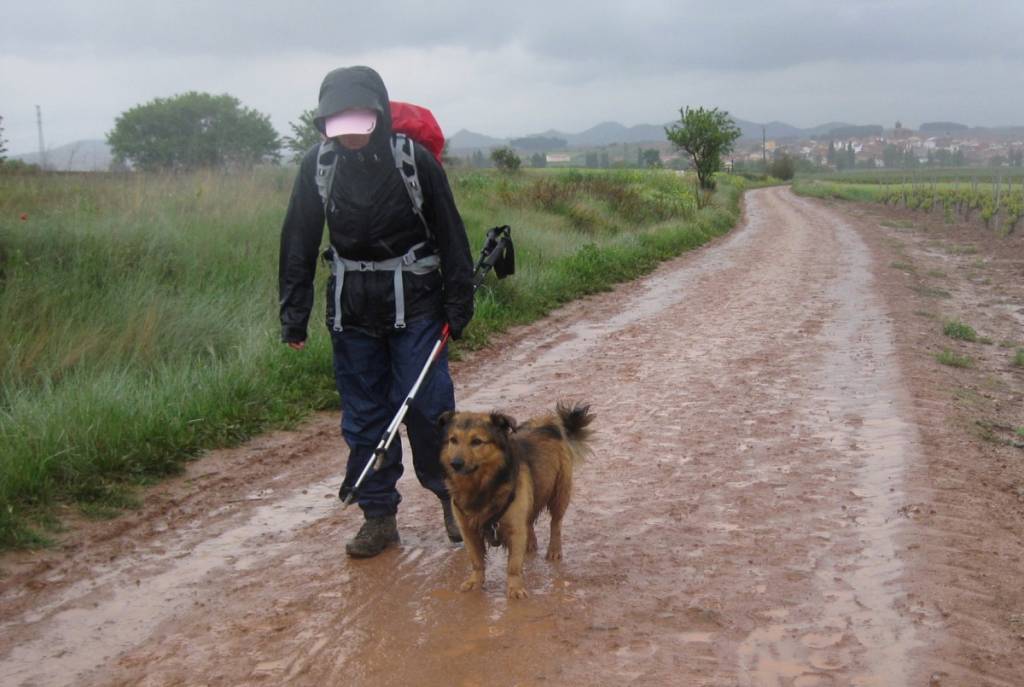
[(498, 253)]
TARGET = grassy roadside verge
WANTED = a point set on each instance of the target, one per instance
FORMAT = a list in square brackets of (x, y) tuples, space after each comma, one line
[(140, 312)]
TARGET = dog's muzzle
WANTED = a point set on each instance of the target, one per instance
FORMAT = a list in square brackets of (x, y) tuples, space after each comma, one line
[(458, 465)]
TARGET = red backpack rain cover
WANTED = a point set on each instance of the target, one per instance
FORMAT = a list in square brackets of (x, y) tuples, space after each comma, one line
[(417, 123)]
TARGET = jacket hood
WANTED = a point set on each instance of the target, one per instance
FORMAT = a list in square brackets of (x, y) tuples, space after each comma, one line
[(350, 87)]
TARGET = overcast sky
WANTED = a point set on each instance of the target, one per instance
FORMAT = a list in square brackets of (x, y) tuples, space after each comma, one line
[(512, 68)]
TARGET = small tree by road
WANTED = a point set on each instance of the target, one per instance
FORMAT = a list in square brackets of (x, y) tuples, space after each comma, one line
[(193, 130), (505, 159), (705, 135)]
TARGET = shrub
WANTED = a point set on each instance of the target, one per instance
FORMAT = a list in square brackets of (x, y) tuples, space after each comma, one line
[(948, 357), (956, 329), (505, 159), (783, 167)]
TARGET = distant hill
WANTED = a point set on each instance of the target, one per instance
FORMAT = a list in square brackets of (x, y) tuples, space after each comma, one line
[(824, 129), (607, 133), (752, 130), (79, 156), (469, 140)]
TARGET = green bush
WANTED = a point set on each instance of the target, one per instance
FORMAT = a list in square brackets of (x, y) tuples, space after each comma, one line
[(948, 357), (783, 167), (956, 329)]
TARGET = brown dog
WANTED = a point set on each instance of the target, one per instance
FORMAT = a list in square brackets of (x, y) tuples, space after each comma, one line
[(501, 476)]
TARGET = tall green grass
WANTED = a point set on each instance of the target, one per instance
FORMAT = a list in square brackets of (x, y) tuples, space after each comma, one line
[(140, 312)]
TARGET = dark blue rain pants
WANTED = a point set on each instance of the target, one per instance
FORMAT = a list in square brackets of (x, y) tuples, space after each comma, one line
[(373, 376)]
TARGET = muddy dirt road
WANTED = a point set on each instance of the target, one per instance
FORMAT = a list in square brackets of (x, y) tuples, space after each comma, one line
[(739, 524)]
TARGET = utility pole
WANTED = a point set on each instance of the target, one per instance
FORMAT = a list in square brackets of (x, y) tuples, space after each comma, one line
[(42, 146)]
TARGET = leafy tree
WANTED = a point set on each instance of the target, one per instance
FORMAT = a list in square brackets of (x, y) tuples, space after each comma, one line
[(830, 156), (705, 135), (782, 167), (538, 160), (3, 142), (651, 158), (478, 159), (505, 159), (305, 135), (592, 159), (193, 130)]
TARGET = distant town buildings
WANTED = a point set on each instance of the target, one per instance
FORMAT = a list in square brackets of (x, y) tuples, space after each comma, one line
[(899, 147)]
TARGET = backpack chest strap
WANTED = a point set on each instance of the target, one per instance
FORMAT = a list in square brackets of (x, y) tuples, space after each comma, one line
[(419, 259)]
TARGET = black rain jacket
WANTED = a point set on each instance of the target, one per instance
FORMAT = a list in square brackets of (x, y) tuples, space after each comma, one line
[(370, 217)]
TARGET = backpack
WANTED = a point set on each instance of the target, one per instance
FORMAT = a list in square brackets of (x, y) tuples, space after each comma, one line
[(417, 123)]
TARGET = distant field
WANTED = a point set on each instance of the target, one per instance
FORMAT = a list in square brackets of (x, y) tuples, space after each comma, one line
[(999, 204), (140, 312), (923, 175)]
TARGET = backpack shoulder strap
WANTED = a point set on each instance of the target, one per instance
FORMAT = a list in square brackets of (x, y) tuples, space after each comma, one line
[(405, 161), (326, 159)]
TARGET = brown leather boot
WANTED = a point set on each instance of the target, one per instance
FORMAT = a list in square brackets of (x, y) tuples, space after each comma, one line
[(374, 536)]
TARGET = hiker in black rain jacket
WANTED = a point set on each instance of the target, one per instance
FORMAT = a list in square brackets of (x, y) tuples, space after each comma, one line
[(379, 349)]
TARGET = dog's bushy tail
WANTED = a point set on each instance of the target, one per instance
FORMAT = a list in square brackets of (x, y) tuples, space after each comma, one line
[(576, 419)]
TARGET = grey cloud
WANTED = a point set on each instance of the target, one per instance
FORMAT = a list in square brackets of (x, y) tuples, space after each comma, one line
[(648, 37)]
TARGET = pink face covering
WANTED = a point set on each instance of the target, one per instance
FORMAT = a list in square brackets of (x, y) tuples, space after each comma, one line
[(356, 121)]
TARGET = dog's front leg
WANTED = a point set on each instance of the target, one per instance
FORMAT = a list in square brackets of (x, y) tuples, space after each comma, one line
[(517, 538), (474, 543)]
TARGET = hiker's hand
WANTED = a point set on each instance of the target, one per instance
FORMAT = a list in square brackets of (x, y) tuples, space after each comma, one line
[(297, 345), (457, 325)]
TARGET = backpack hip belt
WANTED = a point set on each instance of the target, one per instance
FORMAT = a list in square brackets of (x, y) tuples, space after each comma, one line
[(413, 261)]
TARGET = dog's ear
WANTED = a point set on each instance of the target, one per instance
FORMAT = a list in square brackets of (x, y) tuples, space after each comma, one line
[(503, 422), (444, 418)]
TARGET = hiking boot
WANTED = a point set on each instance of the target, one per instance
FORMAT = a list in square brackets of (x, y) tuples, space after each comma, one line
[(374, 536), (450, 526)]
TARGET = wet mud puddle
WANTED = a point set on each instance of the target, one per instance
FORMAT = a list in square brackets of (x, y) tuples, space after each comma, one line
[(857, 412)]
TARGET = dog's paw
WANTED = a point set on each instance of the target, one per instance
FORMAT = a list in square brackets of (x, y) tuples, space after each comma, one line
[(517, 592), (474, 582), (554, 555)]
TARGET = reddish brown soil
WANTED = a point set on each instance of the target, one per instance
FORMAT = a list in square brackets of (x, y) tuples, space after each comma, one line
[(788, 489)]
